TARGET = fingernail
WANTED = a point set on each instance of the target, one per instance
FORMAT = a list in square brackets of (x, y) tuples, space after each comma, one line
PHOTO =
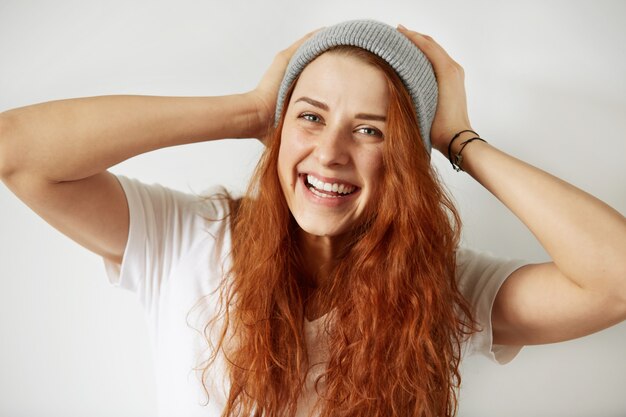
[(402, 27)]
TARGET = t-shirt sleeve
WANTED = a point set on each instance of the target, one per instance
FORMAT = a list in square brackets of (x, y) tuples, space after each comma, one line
[(160, 233), (479, 277)]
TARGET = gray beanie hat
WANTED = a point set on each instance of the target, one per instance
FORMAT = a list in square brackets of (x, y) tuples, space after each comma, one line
[(385, 41)]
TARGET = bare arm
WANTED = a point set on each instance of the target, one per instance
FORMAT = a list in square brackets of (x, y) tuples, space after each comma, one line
[(54, 156), (584, 289), (69, 140)]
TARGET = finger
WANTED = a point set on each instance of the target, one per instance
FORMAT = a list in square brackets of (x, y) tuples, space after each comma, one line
[(422, 40), (433, 51), (294, 46)]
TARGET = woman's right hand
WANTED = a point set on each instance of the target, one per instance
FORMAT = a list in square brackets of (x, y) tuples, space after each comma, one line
[(266, 92), (451, 115)]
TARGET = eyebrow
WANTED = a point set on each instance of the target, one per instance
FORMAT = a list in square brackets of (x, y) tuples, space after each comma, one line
[(312, 102), (324, 106), (365, 116)]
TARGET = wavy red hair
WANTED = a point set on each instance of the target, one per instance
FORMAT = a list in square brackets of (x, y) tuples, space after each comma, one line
[(398, 317)]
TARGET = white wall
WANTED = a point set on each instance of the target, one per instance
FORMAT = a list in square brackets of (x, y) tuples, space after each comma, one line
[(546, 82)]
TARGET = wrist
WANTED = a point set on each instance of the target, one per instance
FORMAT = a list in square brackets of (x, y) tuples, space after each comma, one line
[(455, 146), (442, 141), (462, 159), (259, 115)]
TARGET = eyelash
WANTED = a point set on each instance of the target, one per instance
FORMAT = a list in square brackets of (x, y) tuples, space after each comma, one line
[(305, 115), (376, 132)]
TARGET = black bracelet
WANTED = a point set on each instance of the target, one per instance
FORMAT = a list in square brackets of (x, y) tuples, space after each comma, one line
[(458, 158), (452, 140)]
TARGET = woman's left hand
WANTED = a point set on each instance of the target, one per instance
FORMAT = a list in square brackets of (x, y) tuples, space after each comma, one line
[(573, 295), (451, 116)]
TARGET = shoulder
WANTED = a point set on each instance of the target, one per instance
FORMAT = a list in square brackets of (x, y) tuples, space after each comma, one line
[(169, 228), (478, 272), (214, 202), (480, 275), (470, 262), (178, 220)]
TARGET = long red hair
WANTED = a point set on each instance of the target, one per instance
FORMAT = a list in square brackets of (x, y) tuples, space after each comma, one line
[(398, 317)]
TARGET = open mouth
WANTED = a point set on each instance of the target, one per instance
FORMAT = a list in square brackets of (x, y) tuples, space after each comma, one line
[(326, 189)]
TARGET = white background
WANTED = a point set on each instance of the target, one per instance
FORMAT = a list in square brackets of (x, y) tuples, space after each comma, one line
[(545, 81)]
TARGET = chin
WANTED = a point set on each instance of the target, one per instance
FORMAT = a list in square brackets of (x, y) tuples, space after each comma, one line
[(323, 227), (319, 228), (320, 231)]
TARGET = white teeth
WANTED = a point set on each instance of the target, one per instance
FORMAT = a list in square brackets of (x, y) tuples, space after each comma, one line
[(317, 193), (325, 186)]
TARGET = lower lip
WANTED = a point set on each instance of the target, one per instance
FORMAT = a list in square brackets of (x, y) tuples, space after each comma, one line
[(327, 202)]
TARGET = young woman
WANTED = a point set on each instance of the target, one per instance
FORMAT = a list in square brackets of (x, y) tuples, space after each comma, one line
[(336, 285)]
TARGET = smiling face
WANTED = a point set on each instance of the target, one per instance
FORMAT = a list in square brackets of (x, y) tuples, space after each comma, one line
[(331, 154)]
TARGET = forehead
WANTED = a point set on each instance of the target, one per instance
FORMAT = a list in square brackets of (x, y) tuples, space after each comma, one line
[(343, 80)]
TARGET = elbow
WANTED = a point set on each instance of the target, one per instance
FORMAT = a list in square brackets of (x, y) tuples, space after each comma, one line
[(621, 278), (619, 301), (616, 292), (7, 142), (622, 297), (612, 273)]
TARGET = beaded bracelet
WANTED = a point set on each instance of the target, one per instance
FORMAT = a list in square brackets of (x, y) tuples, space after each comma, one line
[(458, 158)]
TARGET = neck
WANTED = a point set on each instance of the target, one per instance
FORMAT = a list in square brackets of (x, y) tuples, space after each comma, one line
[(319, 258)]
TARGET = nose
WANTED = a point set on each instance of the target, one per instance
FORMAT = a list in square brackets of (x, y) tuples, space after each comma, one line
[(331, 148)]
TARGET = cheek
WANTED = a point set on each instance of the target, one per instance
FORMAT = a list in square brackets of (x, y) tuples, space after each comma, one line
[(283, 166), (293, 149), (289, 154), (375, 172), (373, 165)]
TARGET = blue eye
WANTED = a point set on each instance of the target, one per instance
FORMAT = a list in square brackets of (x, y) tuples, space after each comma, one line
[(311, 117), (370, 131)]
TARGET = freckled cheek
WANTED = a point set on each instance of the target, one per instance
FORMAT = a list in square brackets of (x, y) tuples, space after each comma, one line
[(372, 169), (293, 149), (298, 140), (285, 170), (372, 163)]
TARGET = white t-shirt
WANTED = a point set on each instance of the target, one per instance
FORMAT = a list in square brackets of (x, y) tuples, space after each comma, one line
[(174, 259)]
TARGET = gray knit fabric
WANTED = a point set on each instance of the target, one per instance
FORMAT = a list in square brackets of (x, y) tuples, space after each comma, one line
[(385, 41)]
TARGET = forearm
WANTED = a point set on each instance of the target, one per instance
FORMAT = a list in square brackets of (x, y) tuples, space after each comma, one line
[(585, 238), (73, 139)]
